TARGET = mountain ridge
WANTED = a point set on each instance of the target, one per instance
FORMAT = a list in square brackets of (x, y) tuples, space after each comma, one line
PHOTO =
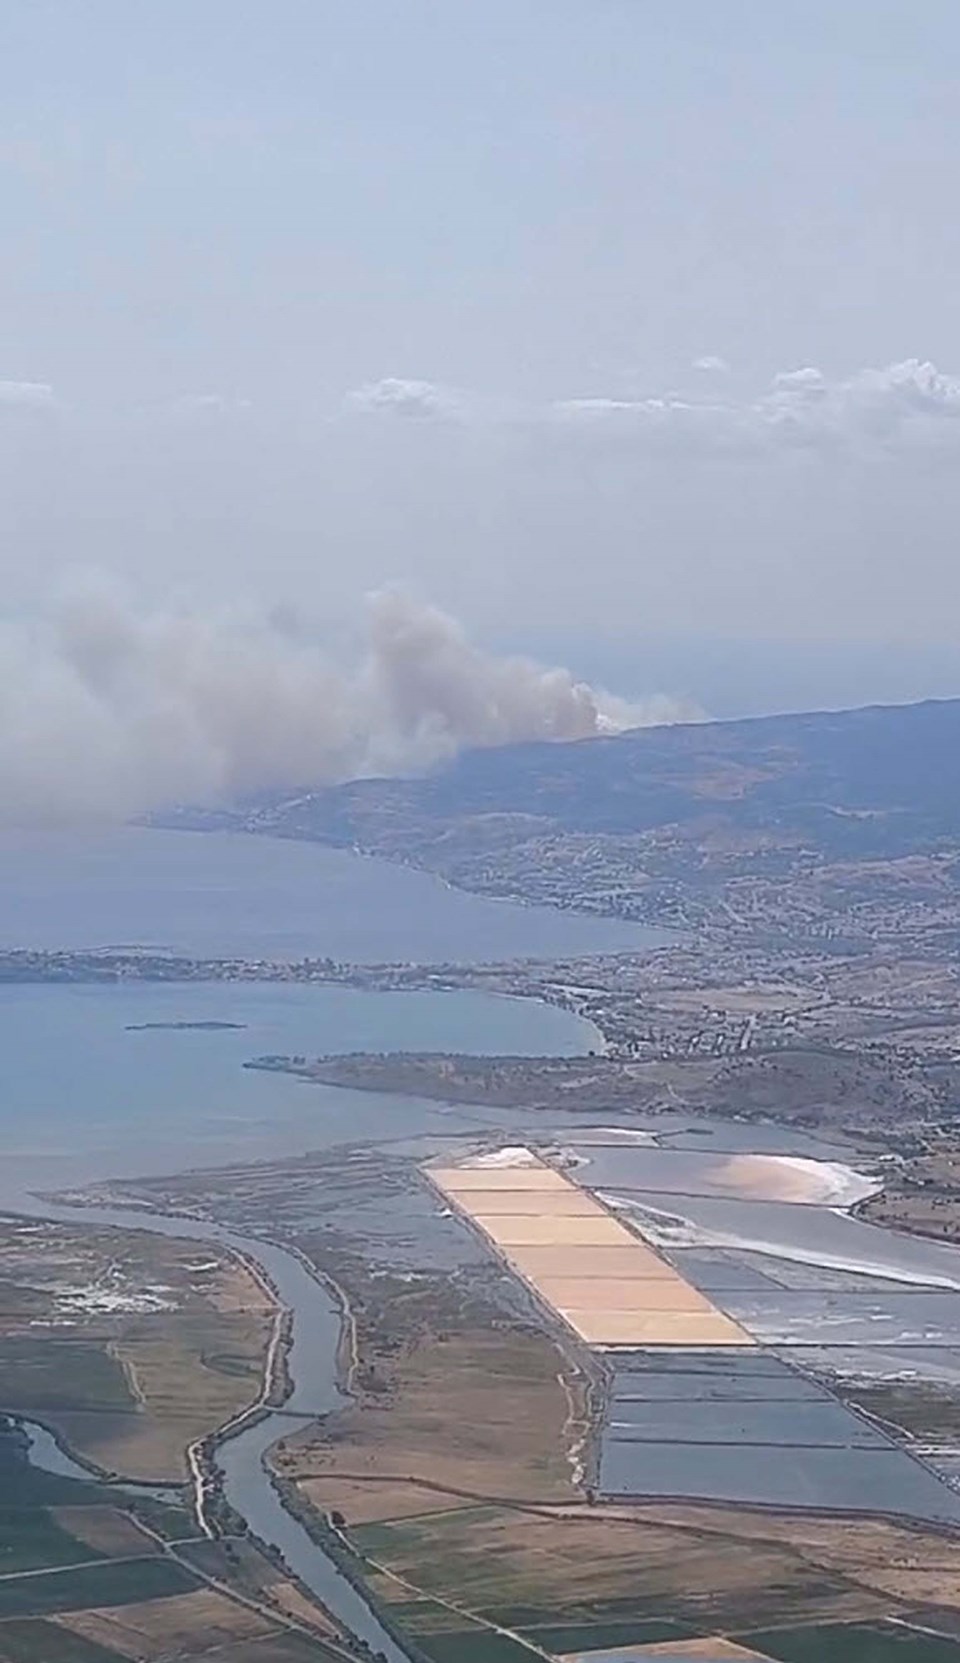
[(678, 825)]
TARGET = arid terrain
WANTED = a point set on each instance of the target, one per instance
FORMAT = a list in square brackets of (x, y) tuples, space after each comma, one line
[(129, 1346), (833, 827), (748, 1445), (923, 1195), (811, 864), (462, 1469)]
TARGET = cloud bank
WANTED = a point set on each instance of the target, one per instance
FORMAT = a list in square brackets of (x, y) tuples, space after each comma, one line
[(26, 395), (107, 711), (905, 406), (909, 407), (414, 400)]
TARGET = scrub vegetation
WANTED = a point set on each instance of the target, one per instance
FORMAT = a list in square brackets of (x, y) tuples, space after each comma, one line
[(127, 1345)]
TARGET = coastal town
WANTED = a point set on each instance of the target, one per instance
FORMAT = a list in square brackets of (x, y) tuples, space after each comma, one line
[(726, 1028)]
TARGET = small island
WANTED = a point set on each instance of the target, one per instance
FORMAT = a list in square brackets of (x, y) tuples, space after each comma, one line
[(204, 1027)]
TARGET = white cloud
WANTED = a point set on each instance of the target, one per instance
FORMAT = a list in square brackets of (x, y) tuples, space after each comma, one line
[(806, 380), (909, 406), (193, 411), (672, 426), (210, 404), (710, 364), (414, 400), (905, 406), (26, 395)]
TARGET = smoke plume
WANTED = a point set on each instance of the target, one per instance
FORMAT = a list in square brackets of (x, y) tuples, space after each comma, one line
[(108, 711)]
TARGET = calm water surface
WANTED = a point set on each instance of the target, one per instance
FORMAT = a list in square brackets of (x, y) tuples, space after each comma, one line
[(224, 893), (82, 1094), (88, 1091)]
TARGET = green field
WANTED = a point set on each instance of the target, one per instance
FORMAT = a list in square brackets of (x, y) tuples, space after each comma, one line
[(42, 1642), (24, 1486), (473, 1646), (112, 1583), (40, 1376), (854, 1643), (447, 1636), (440, 1635), (26, 1489), (30, 1537), (174, 1524), (69, 1575), (602, 1636)]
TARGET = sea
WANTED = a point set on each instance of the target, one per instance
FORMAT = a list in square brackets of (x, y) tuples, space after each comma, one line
[(231, 893), (99, 1081), (102, 1081), (91, 1087)]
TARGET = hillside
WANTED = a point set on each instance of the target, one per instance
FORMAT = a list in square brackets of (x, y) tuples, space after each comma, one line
[(798, 823)]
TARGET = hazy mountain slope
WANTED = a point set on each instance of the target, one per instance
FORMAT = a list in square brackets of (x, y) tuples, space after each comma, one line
[(889, 768), (661, 822)]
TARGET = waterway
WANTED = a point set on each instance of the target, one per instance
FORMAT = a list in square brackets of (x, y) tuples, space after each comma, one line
[(90, 1089), (98, 1081), (44, 1451), (311, 1361)]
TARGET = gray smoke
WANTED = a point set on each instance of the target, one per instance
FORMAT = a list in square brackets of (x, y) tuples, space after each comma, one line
[(106, 710)]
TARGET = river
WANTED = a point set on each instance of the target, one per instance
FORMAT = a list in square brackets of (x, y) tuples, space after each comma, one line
[(99, 1082), (312, 1365)]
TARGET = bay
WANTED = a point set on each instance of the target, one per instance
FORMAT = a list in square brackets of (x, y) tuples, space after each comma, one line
[(88, 1088), (227, 893), (87, 1092)]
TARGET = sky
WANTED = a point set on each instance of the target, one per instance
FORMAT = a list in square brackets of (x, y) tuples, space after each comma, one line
[(622, 330)]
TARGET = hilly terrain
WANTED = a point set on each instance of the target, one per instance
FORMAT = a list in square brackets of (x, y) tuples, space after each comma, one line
[(810, 862), (825, 823)]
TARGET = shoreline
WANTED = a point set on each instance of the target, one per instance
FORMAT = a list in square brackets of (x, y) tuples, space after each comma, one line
[(350, 1562), (25, 967)]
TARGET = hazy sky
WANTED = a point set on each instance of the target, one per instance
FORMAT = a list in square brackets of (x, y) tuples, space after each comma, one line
[(591, 320)]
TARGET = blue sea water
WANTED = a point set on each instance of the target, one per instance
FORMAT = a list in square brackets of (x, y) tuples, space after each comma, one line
[(223, 893), (90, 1088), (83, 1094)]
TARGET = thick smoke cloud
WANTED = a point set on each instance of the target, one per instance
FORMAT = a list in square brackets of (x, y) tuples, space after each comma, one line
[(107, 711)]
